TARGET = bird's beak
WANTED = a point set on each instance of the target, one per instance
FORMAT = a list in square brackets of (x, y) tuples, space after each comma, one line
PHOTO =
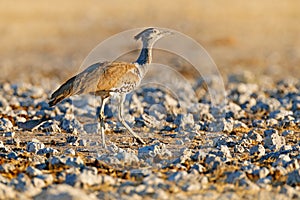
[(165, 32)]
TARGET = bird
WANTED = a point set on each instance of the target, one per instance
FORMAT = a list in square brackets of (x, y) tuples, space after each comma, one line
[(107, 79)]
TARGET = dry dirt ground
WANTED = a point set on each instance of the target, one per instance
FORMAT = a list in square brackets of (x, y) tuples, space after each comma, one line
[(42, 38)]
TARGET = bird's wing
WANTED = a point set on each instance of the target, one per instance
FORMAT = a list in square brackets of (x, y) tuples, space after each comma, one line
[(86, 81), (118, 75), (83, 82), (100, 79)]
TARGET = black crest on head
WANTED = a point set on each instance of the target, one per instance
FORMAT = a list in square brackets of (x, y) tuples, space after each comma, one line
[(138, 36)]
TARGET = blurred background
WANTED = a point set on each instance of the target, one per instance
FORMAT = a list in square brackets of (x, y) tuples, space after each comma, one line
[(48, 40)]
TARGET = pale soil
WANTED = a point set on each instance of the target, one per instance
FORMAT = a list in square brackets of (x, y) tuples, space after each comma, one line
[(53, 39)]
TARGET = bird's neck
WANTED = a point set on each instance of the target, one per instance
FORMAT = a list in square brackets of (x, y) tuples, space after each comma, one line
[(145, 55)]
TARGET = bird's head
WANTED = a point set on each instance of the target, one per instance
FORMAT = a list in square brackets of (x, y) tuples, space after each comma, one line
[(151, 35)]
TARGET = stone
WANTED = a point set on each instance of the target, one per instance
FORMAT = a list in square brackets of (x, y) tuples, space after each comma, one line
[(151, 121), (71, 179), (70, 152), (13, 141), (32, 171), (199, 156), (158, 150), (239, 125), (221, 125), (234, 177), (38, 183), (291, 165), (7, 168), (198, 167), (290, 192), (47, 178), (9, 134), (22, 183), (108, 180), (89, 177), (280, 114), (36, 92), (239, 148), (74, 162), (262, 172), (7, 192), (223, 140), (287, 132), (140, 173), (233, 110), (177, 176), (293, 178), (48, 126), (82, 142), (34, 146), (55, 162), (225, 150), (259, 123), (282, 160), (29, 124), (184, 156), (152, 179), (253, 135), (272, 123), (5, 124), (185, 121), (47, 150), (4, 180), (262, 182), (213, 162), (272, 139), (73, 140), (191, 186), (71, 125), (127, 157), (257, 150), (12, 155)]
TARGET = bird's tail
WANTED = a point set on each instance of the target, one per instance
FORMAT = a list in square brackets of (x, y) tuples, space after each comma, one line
[(64, 91)]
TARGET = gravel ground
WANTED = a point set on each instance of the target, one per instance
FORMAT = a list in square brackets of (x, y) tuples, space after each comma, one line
[(252, 151)]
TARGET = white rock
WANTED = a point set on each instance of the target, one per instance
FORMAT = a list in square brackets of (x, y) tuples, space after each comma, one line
[(273, 140), (34, 146), (32, 171), (7, 192), (253, 135), (5, 124)]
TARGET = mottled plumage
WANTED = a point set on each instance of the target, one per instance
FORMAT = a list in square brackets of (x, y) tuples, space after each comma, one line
[(107, 78)]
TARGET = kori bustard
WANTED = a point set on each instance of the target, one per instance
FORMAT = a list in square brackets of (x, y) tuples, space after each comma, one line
[(112, 78)]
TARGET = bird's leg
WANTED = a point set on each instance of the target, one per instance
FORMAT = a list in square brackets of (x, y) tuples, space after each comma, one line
[(121, 119), (101, 120)]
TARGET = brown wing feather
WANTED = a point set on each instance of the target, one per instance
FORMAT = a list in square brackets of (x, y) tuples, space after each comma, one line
[(81, 83), (116, 74), (99, 78)]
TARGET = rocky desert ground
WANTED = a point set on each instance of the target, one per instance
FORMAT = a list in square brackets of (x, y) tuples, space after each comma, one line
[(245, 148)]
